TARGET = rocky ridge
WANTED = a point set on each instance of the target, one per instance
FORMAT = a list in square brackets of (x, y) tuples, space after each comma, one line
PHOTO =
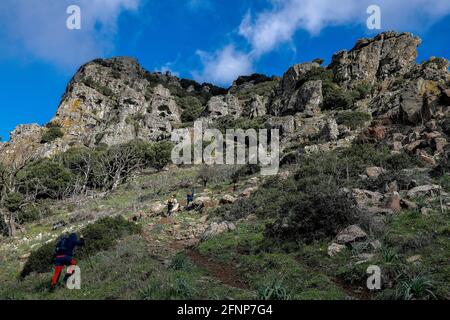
[(112, 101)]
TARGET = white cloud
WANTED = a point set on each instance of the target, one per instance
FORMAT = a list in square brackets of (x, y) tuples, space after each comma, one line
[(37, 28), (223, 66), (168, 67), (268, 29)]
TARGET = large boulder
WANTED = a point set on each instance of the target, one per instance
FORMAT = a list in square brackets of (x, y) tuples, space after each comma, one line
[(335, 248), (425, 190), (388, 55), (350, 234), (290, 99), (258, 106), (214, 229), (228, 199), (220, 106)]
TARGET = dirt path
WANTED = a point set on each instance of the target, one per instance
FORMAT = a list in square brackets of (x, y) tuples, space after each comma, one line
[(224, 272), (164, 251)]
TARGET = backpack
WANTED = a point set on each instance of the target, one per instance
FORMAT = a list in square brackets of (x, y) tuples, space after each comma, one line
[(61, 246)]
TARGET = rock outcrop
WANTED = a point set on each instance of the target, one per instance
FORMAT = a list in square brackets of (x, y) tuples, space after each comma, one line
[(112, 101)]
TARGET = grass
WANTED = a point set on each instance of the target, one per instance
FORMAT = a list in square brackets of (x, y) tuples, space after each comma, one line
[(272, 270)]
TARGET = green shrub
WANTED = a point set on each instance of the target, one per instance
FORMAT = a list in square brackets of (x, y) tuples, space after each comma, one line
[(13, 201), (273, 291), (45, 179), (315, 210), (255, 78), (51, 134), (245, 171), (40, 260), (235, 211), (33, 212), (99, 236), (228, 122), (103, 234), (414, 287), (334, 97), (192, 108), (180, 262), (158, 154), (353, 119)]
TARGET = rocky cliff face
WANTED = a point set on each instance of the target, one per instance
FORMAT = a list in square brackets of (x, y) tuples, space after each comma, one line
[(113, 101)]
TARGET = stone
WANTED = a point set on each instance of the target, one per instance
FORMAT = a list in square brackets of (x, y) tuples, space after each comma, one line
[(335, 248), (331, 130), (215, 229), (220, 106), (392, 187), (59, 225), (413, 110), (411, 147), (392, 202), (258, 106), (157, 208), (247, 192), (388, 55), (375, 244), (425, 190), (366, 198), (228, 199), (426, 158), (408, 204), (291, 99), (378, 133), (309, 98), (414, 259), (439, 144), (350, 234), (365, 257), (374, 172)]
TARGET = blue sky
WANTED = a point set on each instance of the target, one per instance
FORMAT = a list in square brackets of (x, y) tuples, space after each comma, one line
[(207, 40)]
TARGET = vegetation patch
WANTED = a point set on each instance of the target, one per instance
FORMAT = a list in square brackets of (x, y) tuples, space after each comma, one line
[(99, 236)]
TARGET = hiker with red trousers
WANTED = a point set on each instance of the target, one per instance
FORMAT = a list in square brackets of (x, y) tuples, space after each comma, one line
[(63, 256)]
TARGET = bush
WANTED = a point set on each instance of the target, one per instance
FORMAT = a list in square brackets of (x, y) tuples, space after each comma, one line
[(158, 154), (51, 134), (45, 179), (235, 211), (13, 201), (334, 97), (228, 122), (255, 78), (414, 287), (316, 210), (192, 108), (33, 212), (103, 234), (353, 119), (99, 236), (181, 262), (273, 291), (245, 171)]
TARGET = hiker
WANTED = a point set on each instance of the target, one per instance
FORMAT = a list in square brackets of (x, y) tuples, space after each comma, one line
[(172, 205), (190, 197), (63, 256)]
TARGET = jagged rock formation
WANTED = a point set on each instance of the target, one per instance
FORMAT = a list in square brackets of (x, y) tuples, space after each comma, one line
[(115, 100)]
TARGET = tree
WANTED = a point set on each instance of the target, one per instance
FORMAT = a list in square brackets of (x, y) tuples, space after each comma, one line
[(205, 174), (114, 165), (10, 200)]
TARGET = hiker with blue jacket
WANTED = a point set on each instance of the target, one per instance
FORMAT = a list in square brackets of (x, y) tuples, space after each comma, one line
[(63, 256)]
